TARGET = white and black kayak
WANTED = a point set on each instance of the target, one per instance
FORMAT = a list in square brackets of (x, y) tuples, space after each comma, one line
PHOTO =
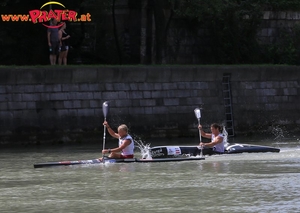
[(113, 160), (177, 151)]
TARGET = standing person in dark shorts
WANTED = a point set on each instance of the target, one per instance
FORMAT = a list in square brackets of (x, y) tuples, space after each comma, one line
[(64, 39), (53, 42)]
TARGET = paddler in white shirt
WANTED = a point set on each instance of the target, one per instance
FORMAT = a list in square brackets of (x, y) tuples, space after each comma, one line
[(217, 139), (126, 143)]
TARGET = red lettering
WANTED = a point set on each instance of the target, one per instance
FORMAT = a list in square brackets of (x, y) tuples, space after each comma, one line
[(43, 16), (64, 15), (72, 15), (58, 12), (51, 15), (34, 14)]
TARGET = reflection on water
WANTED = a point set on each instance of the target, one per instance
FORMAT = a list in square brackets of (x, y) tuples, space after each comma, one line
[(257, 182)]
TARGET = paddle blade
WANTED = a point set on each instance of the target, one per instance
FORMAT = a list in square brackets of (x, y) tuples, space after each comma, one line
[(105, 108), (197, 113)]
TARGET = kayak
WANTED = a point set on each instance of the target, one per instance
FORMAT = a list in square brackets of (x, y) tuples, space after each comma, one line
[(113, 160), (173, 151)]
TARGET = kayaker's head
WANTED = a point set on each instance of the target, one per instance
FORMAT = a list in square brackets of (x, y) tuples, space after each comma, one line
[(216, 129), (122, 130)]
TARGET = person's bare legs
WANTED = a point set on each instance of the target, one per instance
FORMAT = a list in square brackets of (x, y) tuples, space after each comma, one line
[(65, 57), (60, 57), (52, 59)]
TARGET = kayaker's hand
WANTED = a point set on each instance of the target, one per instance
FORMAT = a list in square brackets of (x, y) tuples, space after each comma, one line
[(104, 151), (200, 127), (202, 145), (106, 124)]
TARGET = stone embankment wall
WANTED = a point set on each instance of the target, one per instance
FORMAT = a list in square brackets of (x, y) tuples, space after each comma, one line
[(152, 100)]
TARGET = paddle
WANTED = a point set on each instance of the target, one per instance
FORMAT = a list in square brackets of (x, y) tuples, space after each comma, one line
[(105, 111), (198, 116)]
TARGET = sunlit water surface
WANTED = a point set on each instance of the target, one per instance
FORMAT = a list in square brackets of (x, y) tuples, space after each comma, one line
[(260, 182)]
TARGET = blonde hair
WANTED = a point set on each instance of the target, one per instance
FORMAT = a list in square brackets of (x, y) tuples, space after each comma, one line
[(123, 127)]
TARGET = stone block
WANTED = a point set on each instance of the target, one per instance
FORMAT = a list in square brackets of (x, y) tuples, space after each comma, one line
[(293, 84), (136, 110), (272, 107), (31, 97), (84, 75), (147, 102), (86, 112), (30, 105), (67, 87), (59, 96), (16, 97), (147, 94), (84, 87), (84, 95), (109, 87), (62, 113), (158, 94), (96, 87), (290, 91), (85, 104), (158, 86), (159, 74), (280, 99), (110, 95), (169, 86), (121, 86), (95, 104), (29, 76), (136, 74), (148, 110), (160, 110), (123, 94), (58, 104), (97, 95), (194, 101), (17, 105), (58, 76), (171, 101), (146, 86), (181, 93), (123, 103), (53, 88), (3, 107), (179, 75), (135, 95), (2, 89), (39, 88)]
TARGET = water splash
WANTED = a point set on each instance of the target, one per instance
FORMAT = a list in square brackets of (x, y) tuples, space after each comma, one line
[(277, 132), (144, 149), (225, 138)]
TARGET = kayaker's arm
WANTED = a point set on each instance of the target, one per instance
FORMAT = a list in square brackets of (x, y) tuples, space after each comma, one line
[(217, 140), (112, 132), (204, 134), (123, 146)]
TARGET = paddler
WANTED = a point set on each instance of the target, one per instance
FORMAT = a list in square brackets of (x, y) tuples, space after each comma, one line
[(126, 143), (217, 139)]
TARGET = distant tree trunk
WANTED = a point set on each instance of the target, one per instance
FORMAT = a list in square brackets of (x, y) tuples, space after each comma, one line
[(116, 33), (162, 24), (144, 32)]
